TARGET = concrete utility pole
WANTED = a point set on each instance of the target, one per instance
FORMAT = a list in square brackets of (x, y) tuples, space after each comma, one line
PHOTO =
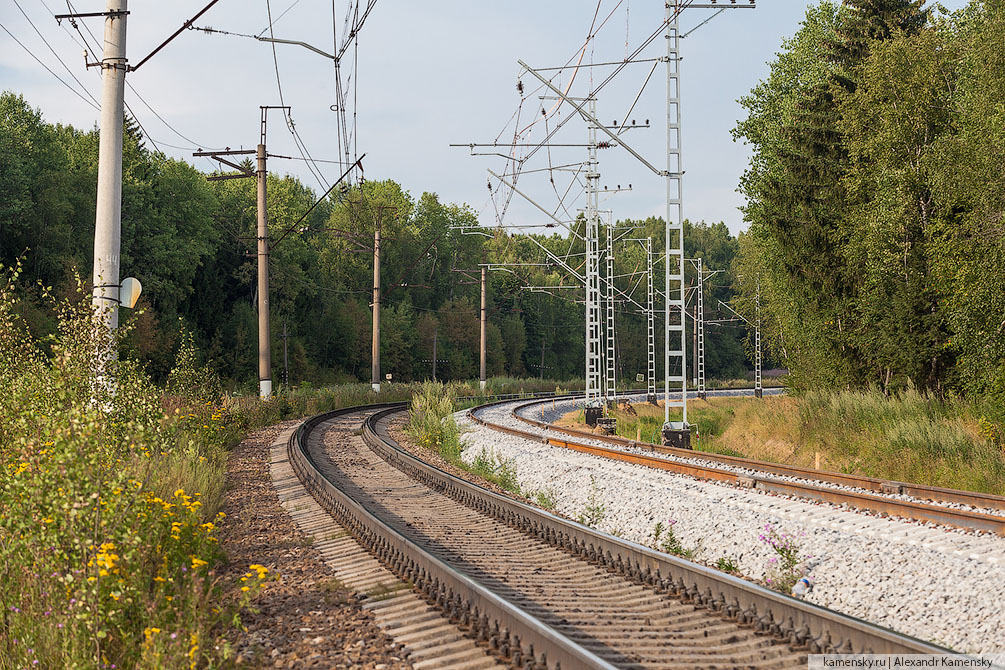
[(481, 378), (375, 342), (260, 175), (264, 339), (286, 359), (758, 388), (108, 210)]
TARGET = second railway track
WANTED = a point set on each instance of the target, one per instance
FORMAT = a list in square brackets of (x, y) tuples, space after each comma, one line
[(961, 509), (540, 591)]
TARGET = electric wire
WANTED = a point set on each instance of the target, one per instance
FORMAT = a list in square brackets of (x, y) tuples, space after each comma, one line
[(61, 80), (287, 115), (93, 51), (49, 46), (272, 23)]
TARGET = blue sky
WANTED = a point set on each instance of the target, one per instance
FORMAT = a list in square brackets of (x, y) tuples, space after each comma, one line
[(430, 74)]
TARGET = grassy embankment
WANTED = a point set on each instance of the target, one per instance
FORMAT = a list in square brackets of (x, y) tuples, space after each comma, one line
[(431, 424), (913, 437), (109, 499)]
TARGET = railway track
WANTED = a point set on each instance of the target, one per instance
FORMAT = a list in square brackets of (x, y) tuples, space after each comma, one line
[(960, 509), (539, 591)]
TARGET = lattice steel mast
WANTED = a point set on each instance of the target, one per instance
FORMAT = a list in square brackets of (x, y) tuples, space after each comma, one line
[(593, 350), (650, 323), (611, 382), (675, 343)]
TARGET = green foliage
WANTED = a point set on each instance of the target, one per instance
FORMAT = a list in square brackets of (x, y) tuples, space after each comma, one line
[(913, 435), (187, 378), (595, 510), (496, 469), (665, 539), (785, 567), (875, 199), (189, 242), (727, 564), (105, 543), (546, 498), (431, 420)]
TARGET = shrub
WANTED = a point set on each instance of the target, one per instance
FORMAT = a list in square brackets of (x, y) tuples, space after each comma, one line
[(431, 420), (106, 550)]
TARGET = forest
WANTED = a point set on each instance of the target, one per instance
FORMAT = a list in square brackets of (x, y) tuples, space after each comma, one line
[(875, 199), (875, 248), (191, 243)]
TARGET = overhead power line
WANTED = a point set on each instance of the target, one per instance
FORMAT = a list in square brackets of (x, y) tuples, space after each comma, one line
[(37, 60), (46, 42)]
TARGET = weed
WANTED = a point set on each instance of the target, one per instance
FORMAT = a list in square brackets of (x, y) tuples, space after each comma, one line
[(595, 510), (948, 441), (335, 592), (431, 421), (506, 475), (727, 564), (494, 468), (547, 498), (785, 566), (383, 592), (666, 540), (484, 464), (109, 501)]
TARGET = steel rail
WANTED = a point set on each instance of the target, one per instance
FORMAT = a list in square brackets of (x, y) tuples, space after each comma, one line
[(519, 637), (508, 631), (877, 484), (787, 619), (878, 501)]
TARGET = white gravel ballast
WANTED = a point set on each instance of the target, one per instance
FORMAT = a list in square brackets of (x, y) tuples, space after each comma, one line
[(937, 584)]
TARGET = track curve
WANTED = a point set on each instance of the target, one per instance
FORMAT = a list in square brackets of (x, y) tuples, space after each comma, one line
[(951, 507), (534, 586)]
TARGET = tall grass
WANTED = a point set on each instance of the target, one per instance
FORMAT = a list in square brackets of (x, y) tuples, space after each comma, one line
[(110, 489), (913, 436), (107, 545), (431, 420)]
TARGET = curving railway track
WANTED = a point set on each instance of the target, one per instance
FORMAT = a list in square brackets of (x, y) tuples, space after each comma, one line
[(539, 591), (951, 507)]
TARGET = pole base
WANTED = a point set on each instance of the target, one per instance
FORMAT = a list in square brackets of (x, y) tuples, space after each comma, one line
[(651, 399), (375, 387), (674, 436), (593, 415), (758, 393), (481, 384), (265, 389), (702, 395)]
